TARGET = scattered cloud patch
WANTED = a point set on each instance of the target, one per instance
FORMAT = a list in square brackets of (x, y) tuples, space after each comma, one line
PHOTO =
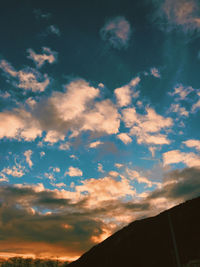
[(28, 155), (95, 144), (181, 111), (117, 32), (155, 72), (53, 29), (28, 78), (40, 59), (73, 172)]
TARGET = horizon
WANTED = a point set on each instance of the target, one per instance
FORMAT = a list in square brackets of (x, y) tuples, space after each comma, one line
[(99, 119)]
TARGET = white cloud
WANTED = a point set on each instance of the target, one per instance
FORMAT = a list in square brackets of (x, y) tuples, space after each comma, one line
[(56, 169), (42, 154), (39, 59), (64, 146), (75, 110), (125, 138), (28, 78), (106, 188), (72, 171), (176, 156), (135, 175), (104, 118), (95, 144), (16, 171), (147, 127), (28, 155), (193, 143), (119, 165), (53, 137), (155, 72), (117, 31), (19, 124), (176, 108), (196, 106), (125, 93), (100, 168), (181, 92)]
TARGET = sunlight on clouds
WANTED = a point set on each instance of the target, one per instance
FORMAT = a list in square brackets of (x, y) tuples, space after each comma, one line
[(176, 156), (179, 14), (72, 171), (125, 93), (193, 143), (39, 59), (125, 138), (28, 78)]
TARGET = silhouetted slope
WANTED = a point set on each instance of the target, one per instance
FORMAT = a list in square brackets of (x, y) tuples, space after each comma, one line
[(148, 242)]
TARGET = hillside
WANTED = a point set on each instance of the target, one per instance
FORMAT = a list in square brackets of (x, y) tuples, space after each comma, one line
[(150, 242)]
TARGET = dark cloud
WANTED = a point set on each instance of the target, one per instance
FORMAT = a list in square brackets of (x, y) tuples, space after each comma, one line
[(34, 215)]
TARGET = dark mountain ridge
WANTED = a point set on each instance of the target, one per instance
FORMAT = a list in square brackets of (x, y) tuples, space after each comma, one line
[(170, 239)]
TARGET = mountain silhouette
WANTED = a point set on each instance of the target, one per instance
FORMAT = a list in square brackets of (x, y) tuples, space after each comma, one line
[(170, 239)]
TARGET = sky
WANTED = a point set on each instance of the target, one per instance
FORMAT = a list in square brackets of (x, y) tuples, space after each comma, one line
[(99, 119)]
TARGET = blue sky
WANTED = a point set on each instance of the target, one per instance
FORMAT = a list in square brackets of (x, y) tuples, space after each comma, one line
[(99, 118)]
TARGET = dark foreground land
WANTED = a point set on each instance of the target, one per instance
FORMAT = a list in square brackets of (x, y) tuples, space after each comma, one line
[(170, 239), (21, 262)]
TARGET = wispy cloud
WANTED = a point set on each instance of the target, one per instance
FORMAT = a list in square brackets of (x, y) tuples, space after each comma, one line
[(28, 154), (117, 32), (178, 14)]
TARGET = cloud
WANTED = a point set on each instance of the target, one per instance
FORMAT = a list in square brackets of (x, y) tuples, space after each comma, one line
[(40, 59), (60, 222), (95, 144), (178, 14), (147, 127), (53, 29), (74, 111), (72, 172), (193, 143), (65, 146), (106, 188), (181, 111), (125, 93), (100, 168), (135, 175), (42, 154), (181, 92), (117, 32), (155, 72), (119, 165), (176, 156), (19, 124), (28, 155), (125, 138), (28, 78), (15, 171), (197, 104)]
